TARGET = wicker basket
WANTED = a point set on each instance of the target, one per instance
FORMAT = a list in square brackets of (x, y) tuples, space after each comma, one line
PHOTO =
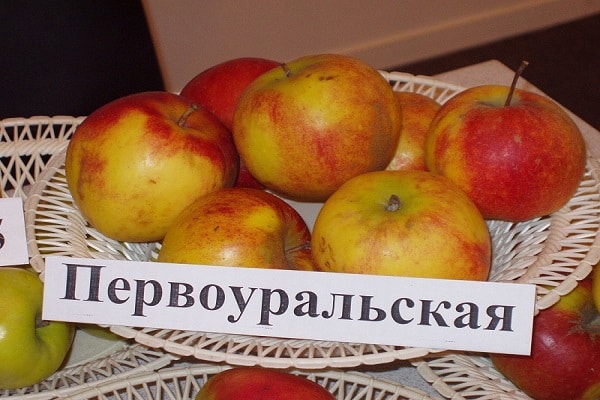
[(26, 146), (184, 382), (459, 376), (553, 252)]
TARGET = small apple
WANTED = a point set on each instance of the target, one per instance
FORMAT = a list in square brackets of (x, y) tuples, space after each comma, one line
[(242, 227), (257, 383), (31, 349), (218, 89), (307, 126), (135, 163), (417, 111), (516, 153), (565, 354), (402, 223)]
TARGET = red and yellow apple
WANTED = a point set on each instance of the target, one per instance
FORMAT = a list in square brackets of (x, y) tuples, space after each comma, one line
[(516, 161), (135, 163), (31, 349), (242, 227), (402, 223), (257, 383), (307, 126), (565, 354), (218, 89), (417, 112)]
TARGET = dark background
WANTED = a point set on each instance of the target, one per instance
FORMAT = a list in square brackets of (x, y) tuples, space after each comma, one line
[(70, 57)]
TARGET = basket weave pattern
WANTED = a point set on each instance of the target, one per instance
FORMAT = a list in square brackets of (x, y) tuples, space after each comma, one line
[(184, 382)]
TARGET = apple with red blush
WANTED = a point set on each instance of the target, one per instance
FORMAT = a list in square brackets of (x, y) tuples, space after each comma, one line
[(565, 355), (218, 88), (516, 153)]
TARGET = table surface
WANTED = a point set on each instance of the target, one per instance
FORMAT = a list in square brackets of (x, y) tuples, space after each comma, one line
[(489, 72)]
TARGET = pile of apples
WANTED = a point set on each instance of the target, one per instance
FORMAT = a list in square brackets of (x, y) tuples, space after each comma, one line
[(406, 184)]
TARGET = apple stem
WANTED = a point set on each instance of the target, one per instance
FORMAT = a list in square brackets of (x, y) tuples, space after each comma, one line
[(513, 85), (286, 69), (393, 203), (181, 121)]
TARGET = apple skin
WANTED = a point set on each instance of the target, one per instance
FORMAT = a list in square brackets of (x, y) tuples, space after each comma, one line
[(417, 112), (218, 89), (565, 355), (435, 232), (516, 162), (241, 227), (135, 163), (30, 349), (257, 383), (304, 128)]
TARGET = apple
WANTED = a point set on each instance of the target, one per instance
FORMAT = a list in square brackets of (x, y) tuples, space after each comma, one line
[(135, 163), (516, 153), (258, 383), (242, 227), (31, 349), (218, 89), (307, 126), (417, 111), (402, 223), (565, 354)]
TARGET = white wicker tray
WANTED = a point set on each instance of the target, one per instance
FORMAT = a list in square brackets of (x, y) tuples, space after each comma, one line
[(26, 145), (184, 382), (460, 376)]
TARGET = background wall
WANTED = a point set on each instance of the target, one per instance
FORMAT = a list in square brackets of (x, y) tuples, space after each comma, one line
[(190, 36)]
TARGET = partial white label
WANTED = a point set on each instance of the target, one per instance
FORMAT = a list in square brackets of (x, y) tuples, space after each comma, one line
[(13, 242), (430, 313)]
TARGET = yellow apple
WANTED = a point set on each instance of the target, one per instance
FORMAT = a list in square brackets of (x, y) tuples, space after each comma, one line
[(242, 227), (135, 163), (417, 112), (304, 128), (402, 223)]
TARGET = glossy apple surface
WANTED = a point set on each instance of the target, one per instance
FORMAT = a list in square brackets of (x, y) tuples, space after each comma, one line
[(134, 164), (242, 227), (256, 383), (565, 355), (30, 349), (402, 223), (516, 161), (304, 128), (417, 112)]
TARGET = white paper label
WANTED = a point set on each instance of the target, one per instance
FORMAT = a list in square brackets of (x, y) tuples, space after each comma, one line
[(430, 313), (13, 241)]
